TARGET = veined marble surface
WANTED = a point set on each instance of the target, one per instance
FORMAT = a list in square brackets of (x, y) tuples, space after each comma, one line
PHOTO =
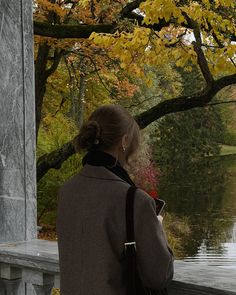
[(17, 123), (37, 249), (38, 254), (208, 276)]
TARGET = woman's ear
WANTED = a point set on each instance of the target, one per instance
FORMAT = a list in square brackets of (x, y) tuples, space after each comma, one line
[(124, 140)]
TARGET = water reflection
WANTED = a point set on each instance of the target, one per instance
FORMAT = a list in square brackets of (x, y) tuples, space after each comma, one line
[(206, 194)]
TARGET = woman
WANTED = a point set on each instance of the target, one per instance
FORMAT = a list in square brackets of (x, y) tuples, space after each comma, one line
[(91, 220)]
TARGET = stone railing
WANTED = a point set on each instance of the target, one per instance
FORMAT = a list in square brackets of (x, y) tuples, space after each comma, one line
[(29, 268), (32, 268)]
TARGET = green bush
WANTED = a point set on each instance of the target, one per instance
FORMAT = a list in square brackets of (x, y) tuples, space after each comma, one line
[(229, 137), (52, 135)]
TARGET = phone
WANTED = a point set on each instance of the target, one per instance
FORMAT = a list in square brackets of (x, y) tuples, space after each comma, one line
[(159, 205)]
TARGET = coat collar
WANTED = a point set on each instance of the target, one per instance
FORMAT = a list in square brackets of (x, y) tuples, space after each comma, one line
[(99, 172)]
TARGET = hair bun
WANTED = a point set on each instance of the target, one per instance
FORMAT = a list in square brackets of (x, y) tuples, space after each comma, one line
[(90, 131), (93, 125)]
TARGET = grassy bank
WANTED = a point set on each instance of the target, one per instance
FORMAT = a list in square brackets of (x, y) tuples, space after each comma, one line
[(227, 150)]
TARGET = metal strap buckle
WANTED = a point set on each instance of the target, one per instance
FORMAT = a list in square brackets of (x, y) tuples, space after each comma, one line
[(129, 244)]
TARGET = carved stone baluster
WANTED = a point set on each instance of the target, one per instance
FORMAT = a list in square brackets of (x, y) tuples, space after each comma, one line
[(42, 282), (57, 281), (43, 289), (11, 286), (11, 278)]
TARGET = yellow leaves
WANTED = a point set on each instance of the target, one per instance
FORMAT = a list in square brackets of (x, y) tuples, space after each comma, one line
[(149, 79), (188, 69), (127, 47), (220, 61), (101, 39), (84, 3), (225, 3), (231, 51), (202, 13), (142, 47), (209, 18), (158, 9), (182, 57), (149, 82)]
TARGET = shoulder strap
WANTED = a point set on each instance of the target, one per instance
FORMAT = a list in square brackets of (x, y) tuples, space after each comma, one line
[(130, 245), (134, 285), (130, 213)]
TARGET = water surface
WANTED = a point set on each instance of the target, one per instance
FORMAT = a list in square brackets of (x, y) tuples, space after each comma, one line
[(205, 194)]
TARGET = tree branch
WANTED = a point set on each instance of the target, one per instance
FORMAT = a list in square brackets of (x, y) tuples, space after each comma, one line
[(56, 60), (221, 102), (70, 31), (197, 45), (130, 7), (183, 103), (64, 31), (54, 159)]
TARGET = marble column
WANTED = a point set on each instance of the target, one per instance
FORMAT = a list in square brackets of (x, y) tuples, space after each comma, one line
[(18, 210)]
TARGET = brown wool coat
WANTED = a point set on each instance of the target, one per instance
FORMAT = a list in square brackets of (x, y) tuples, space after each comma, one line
[(91, 233)]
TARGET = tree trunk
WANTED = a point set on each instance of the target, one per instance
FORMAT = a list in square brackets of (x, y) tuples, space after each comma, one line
[(40, 81), (82, 85)]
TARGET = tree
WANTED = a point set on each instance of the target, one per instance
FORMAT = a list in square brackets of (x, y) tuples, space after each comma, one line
[(132, 35), (185, 137)]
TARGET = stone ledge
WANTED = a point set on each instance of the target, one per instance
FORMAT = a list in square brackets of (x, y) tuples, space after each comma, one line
[(180, 288), (203, 275), (189, 278), (38, 254)]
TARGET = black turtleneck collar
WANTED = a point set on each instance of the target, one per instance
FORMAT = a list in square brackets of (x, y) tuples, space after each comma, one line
[(101, 158)]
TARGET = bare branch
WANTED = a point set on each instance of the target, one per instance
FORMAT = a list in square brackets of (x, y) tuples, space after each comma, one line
[(221, 102), (184, 103), (197, 45), (143, 101), (130, 7), (56, 60), (96, 70)]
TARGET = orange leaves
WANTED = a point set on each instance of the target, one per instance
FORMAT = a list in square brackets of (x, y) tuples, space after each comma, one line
[(124, 88), (92, 11), (46, 6)]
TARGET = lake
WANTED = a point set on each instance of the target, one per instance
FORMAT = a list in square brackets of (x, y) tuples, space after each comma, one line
[(205, 194)]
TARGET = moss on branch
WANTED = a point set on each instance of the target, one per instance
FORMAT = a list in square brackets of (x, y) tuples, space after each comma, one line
[(70, 31)]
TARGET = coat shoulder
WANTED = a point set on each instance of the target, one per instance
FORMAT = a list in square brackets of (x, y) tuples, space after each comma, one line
[(145, 197)]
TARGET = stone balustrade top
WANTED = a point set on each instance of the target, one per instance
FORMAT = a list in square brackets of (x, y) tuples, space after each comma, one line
[(213, 279), (43, 255), (38, 254)]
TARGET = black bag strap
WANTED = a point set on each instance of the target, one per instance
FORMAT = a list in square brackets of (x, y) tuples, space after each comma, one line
[(130, 249), (130, 213), (130, 244)]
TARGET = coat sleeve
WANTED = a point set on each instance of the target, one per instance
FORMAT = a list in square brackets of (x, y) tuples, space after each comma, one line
[(155, 259)]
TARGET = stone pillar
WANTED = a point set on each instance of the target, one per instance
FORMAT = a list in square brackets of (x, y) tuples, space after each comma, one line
[(18, 210)]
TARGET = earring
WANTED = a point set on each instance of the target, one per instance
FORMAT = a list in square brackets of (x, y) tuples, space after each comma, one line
[(123, 149)]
